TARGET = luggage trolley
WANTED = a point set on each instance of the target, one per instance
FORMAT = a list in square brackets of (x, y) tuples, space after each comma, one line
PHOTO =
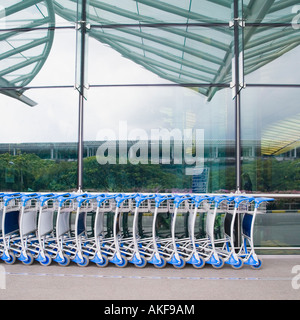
[(228, 252), (158, 249), (176, 258), (65, 243), (206, 247), (46, 228), (249, 256), (140, 244), (102, 249), (123, 247), (83, 244), (28, 246), (1, 214), (11, 227), (188, 246)]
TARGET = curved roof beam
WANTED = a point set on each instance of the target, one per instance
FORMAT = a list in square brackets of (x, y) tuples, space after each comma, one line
[(25, 52), (206, 58)]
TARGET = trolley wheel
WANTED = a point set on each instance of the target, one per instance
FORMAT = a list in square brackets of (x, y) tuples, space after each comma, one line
[(84, 263), (123, 263), (104, 263), (219, 265), (162, 264), (180, 265), (142, 264), (12, 258), (258, 265), (47, 261), (29, 260), (200, 264), (238, 265), (65, 262)]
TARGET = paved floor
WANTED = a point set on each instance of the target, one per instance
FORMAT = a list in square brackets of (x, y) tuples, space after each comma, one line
[(278, 279)]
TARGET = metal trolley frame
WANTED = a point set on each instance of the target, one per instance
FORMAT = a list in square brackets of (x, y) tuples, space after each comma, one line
[(54, 227)]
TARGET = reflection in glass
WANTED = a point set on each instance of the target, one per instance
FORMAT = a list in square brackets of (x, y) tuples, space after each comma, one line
[(271, 124), (162, 43), (38, 150), (144, 128)]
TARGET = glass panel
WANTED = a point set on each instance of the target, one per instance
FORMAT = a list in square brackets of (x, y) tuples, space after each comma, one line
[(180, 55), (271, 54), (157, 139), (265, 11), (26, 14), (59, 68), (31, 137), (279, 228), (148, 11), (53, 119), (270, 140), (167, 11), (142, 131), (30, 58), (66, 12)]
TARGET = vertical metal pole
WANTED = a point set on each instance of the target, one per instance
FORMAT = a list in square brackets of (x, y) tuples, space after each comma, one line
[(81, 97), (237, 98), (237, 239), (238, 141), (80, 144)]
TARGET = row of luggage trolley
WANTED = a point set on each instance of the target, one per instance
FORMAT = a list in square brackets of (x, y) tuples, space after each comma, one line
[(137, 228)]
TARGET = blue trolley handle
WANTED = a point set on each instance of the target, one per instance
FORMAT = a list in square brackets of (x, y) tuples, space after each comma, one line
[(142, 197), (11, 197), (85, 197), (258, 201), (179, 199), (50, 196), (160, 198), (27, 197), (198, 199), (219, 199), (104, 196), (66, 197), (124, 197), (238, 200), (100, 199), (19, 195)]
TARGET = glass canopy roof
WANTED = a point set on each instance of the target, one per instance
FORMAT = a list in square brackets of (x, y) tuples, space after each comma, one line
[(25, 41), (190, 42), (184, 41)]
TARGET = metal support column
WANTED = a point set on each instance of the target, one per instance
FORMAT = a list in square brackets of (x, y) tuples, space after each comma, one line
[(238, 151), (237, 94), (237, 97), (80, 144), (81, 48)]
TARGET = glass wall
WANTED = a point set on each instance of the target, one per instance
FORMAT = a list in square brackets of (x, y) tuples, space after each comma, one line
[(38, 101), (163, 86)]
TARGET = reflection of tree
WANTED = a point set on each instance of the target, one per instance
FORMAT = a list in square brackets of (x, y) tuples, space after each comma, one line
[(247, 184), (25, 172), (271, 175)]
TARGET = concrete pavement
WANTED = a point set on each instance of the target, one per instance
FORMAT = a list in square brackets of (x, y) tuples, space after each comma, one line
[(279, 278)]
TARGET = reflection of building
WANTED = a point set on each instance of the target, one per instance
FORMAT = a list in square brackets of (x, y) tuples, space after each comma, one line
[(214, 150), (200, 182), (287, 137)]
